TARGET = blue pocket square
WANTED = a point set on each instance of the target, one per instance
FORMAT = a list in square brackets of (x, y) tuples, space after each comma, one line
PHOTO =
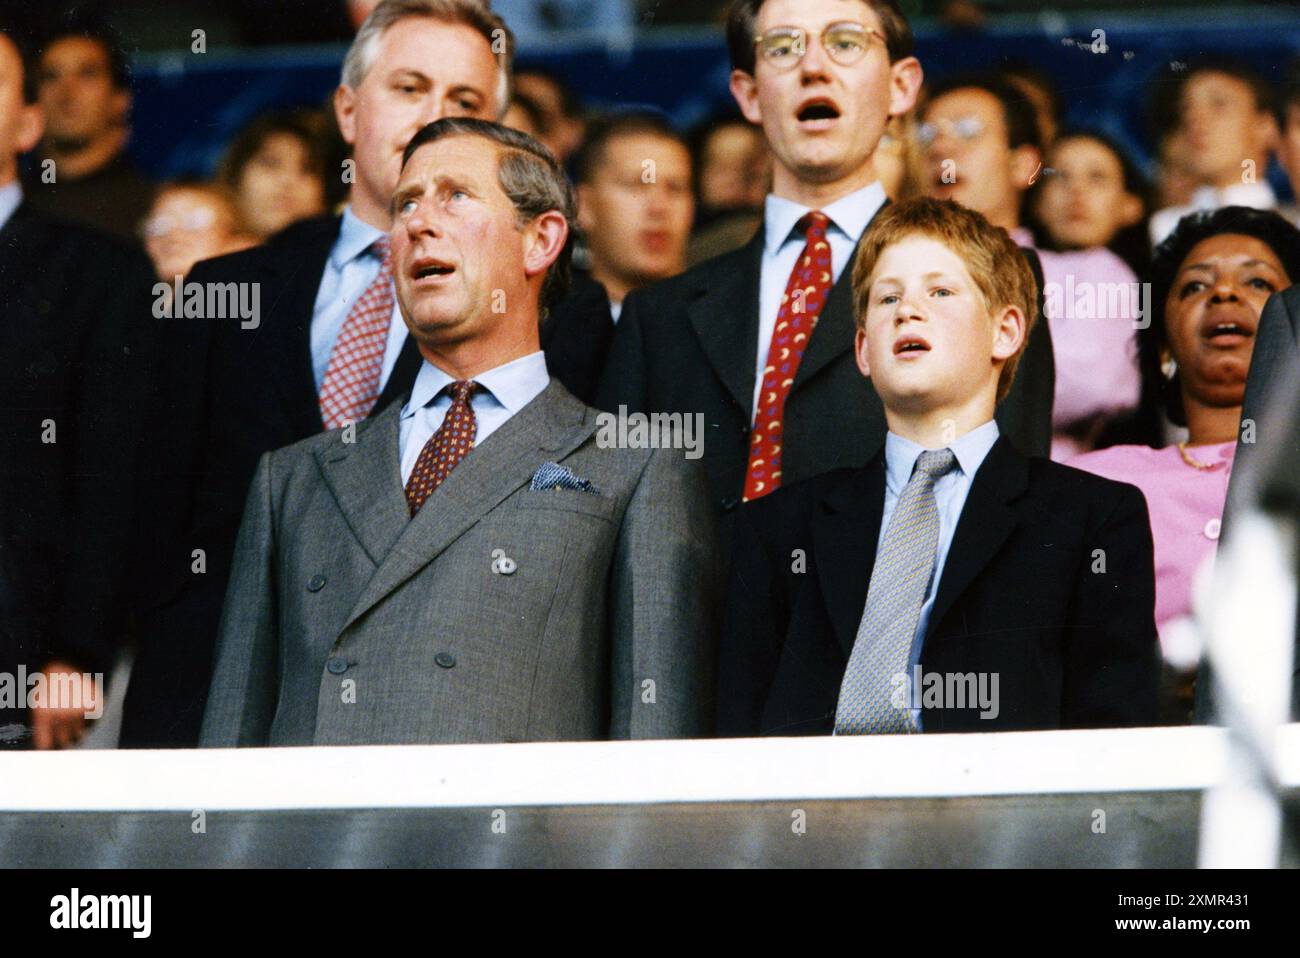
[(552, 475)]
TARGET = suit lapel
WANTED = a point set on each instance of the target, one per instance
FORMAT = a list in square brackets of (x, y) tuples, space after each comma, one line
[(402, 379), (548, 428), (846, 527), (986, 521), (293, 282), (365, 478), (726, 321)]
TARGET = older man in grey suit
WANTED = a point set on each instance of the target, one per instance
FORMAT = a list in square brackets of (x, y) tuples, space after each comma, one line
[(472, 566)]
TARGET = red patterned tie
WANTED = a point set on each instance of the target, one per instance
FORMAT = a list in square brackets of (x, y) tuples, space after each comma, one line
[(805, 295), (351, 384), (445, 448)]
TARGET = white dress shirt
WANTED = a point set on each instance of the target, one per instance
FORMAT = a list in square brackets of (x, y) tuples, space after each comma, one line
[(950, 492), (11, 197), (502, 392), (349, 271), (849, 217), (1258, 195)]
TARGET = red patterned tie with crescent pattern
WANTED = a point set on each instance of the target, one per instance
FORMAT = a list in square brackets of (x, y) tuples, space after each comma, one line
[(445, 448), (805, 295)]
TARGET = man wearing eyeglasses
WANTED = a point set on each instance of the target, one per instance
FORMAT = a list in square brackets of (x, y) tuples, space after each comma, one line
[(760, 340), (981, 138)]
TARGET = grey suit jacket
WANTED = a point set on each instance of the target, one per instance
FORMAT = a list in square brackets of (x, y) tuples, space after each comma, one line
[(349, 622)]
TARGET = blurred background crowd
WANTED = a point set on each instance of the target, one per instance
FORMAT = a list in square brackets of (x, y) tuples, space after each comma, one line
[(200, 128)]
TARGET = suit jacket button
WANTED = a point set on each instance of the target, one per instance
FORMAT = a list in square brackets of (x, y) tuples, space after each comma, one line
[(337, 666), (730, 503), (445, 659), (316, 584)]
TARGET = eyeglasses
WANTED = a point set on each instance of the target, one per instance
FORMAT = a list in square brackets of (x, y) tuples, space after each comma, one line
[(965, 129), (844, 43)]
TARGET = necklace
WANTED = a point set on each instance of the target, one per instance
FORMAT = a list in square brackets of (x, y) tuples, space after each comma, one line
[(1191, 460)]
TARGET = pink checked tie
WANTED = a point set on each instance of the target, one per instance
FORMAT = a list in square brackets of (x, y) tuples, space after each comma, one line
[(445, 448), (805, 295), (351, 384)]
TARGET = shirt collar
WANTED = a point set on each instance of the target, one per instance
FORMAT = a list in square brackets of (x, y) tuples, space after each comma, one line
[(1258, 195), (514, 385), (971, 450), (355, 237), (849, 215), (1022, 237), (11, 197)]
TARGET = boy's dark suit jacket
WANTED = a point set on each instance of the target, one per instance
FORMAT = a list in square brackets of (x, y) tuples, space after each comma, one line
[(689, 344), (1072, 647), (225, 396)]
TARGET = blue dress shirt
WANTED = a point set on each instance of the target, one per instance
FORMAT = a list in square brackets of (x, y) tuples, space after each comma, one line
[(950, 492), (349, 271), (849, 217), (11, 197), (503, 392)]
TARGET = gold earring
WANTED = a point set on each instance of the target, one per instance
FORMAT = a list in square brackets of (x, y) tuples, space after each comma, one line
[(1169, 368)]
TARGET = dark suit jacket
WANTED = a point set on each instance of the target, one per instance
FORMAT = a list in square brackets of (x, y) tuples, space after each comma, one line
[(576, 336), (1272, 459), (225, 396), (689, 344), (75, 347), (1018, 598)]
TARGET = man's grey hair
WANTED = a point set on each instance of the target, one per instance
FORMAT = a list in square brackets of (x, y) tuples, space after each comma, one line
[(528, 175), (472, 13)]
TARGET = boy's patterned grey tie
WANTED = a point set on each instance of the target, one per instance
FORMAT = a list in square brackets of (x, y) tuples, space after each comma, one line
[(883, 647)]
